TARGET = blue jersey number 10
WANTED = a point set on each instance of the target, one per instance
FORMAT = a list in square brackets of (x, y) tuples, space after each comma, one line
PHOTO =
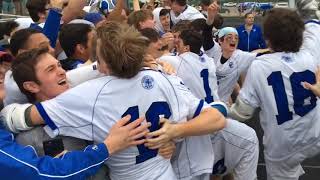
[(298, 92), (152, 115)]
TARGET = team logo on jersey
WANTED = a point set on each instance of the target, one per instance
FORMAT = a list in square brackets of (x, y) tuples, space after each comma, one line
[(147, 82), (231, 64), (202, 59), (219, 168), (287, 59)]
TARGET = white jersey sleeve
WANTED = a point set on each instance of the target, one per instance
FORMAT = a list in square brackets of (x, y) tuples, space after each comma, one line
[(83, 74), (215, 52), (248, 91), (70, 113), (311, 38), (190, 13), (13, 93), (173, 60)]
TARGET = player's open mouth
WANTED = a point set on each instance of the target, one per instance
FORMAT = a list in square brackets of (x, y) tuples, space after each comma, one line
[(62, 82), (233, 45)]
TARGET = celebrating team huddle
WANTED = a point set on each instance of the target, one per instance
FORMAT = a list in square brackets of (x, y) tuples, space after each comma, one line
[(165, 99)]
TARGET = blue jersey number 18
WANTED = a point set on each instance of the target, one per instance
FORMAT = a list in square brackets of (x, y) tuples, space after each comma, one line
[(298, 92)]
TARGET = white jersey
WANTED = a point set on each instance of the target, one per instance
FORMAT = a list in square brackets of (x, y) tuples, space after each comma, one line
[(198, 74), (289, 113), (90, 115), (236, 150), (190, 13), (215, 52), (311, 38), (229, 72)]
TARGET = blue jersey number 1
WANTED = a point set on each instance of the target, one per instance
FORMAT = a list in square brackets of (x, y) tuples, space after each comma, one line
[(298, 92), (152, 115), (205, 77)]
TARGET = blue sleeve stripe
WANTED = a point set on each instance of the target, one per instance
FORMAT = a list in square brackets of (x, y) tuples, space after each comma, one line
[(199, 108), (312, 21), (222, 109), (45, 116)]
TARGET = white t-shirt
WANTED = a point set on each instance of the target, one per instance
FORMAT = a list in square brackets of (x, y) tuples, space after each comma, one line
[(89, 110), (289, 113), (190, 13)]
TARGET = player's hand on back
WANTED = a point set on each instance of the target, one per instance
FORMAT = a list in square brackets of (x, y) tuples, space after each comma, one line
[(165, 134), (123, 135), (315, 88), (167, 150)]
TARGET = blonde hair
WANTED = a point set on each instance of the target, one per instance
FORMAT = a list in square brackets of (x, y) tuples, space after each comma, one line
[(122, 48)]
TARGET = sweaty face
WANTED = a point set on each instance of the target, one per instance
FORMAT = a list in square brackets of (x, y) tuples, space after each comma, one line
[(230, 42), (148, 23), (39, 40), (250, 19), (165, 22), (51, 76)]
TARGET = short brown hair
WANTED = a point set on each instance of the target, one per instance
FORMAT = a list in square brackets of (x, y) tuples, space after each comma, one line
[(23, 69), (283, 28), (247, 14), (181, 26), (122, 48), (36, 6), (136, 17)]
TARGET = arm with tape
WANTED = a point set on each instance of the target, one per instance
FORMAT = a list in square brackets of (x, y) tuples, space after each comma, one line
[(241, 111)]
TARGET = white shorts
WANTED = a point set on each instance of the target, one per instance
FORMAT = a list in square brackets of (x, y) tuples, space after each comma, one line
[(236, 150), (290, 169)]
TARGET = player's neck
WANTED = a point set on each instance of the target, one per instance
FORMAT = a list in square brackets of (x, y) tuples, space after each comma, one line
[(227, 54)]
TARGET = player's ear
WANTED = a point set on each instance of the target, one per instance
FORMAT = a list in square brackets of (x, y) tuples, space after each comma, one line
[(31, 86), (80, 48), (187, 47)]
